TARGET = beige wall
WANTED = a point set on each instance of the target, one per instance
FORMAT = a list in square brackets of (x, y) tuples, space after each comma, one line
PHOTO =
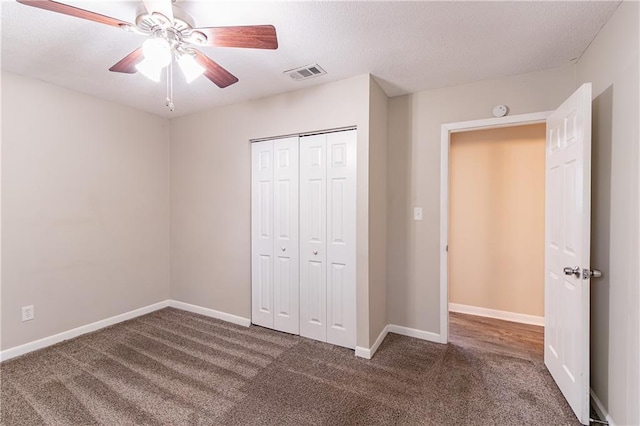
[(211, 190), (377, 211), (85, 209), (414, 178), (611, 64), (496, 219)]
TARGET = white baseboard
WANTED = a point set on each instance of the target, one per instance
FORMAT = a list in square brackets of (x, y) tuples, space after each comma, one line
[(246, 322), (494, 313), (368, 353), (70, 334), (412, 332), (599, 407)]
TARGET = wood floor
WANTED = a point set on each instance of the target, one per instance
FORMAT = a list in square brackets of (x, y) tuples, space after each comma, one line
[(498, 336)]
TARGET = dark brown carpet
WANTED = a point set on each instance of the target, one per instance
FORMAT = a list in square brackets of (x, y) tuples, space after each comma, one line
[(176, 368)]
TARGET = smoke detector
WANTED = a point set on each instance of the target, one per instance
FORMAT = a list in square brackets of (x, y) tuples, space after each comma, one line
[(306, 72), (500, 111)]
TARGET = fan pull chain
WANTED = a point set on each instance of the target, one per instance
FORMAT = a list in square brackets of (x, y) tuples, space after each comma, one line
[(169, 101), (171, 81)]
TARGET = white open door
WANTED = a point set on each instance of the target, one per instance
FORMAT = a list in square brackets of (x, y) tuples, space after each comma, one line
[(567, 249)]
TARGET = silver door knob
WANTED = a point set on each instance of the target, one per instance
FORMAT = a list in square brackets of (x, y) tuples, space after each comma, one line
[(315, 252), (595, 273), (284, 248), (572, 271)]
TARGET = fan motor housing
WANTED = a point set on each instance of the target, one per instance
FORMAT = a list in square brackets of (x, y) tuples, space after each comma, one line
[(181, 29)]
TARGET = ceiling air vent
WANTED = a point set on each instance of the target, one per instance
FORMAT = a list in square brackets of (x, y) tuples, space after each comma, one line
[(308, 71)]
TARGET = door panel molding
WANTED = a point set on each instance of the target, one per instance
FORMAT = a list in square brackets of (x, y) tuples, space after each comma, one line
[(262, 234), (286, 280)]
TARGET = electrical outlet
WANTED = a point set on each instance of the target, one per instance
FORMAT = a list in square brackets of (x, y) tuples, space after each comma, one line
[(28, 313), (417, 213)]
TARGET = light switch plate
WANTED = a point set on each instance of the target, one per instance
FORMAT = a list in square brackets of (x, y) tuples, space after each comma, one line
[(417, 213)]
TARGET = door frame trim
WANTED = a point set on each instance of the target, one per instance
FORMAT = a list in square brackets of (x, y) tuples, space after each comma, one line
[(445, 143)]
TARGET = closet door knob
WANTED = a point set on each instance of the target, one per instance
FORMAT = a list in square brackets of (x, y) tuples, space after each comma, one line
[(315, 252), (284, 248)]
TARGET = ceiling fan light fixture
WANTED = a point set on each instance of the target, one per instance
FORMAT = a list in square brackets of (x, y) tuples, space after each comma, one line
[(158, 51), (150, 69), (171, 35), (190, 67)]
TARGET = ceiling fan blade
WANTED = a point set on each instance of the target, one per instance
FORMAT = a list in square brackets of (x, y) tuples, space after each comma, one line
[(162, 7), (65, 9), (253, 36), (214, 72), (129, 62)]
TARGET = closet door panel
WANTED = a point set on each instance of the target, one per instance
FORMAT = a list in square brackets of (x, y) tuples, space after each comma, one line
[(262, 233), (341, 238), (285, 225), (313, 231)]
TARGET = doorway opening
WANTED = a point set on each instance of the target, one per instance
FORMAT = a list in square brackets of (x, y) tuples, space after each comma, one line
[(496, 239), (492, 226)]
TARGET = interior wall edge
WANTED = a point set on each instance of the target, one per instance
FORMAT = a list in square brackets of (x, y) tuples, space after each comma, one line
[(368, 353), (378, 208)]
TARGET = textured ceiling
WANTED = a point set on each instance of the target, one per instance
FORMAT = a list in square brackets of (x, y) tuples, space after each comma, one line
[(407, 46)]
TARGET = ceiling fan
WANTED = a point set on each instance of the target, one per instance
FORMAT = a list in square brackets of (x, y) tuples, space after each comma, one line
[(171, 34)]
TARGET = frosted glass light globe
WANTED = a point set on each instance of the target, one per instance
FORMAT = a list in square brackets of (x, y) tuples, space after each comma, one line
[(149, 70), (157, 51), (190, 68)]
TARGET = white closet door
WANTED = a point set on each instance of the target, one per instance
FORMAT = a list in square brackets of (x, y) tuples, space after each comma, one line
[(313, 244), (341, 238), (262, 234), (286, 281)]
